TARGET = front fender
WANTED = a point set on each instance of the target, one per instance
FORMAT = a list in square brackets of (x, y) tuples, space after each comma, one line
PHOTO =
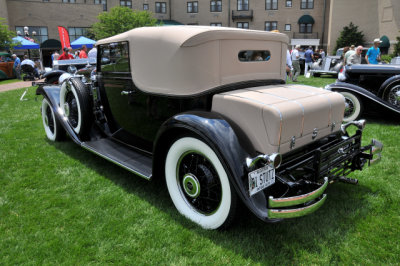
[(362, 93), (226, 139), (53, 73)]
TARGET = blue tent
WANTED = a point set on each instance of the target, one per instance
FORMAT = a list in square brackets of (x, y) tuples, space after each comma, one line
[(24, 43), (82, 41)]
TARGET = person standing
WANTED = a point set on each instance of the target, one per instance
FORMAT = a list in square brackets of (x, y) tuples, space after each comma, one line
[(349, 53), (355, 58), (309, 56), (289, 66), (296, 63), (83, 53), (17, 66), (373, 55), (93, 53), (322, 53), (65, 55)]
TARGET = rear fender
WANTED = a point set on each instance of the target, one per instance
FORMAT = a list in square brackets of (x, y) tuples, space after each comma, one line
[(363, 94), (226, 139), (390, 81)]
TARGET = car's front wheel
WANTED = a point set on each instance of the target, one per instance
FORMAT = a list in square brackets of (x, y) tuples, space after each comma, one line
[(75, 105), (52, 127), (353, 107), (198, 183)]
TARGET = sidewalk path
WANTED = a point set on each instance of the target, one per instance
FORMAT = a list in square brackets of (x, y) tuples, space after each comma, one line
[(15, 85)]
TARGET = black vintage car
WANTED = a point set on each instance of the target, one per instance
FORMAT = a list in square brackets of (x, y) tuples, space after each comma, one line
[(373, 87), (207, 109)]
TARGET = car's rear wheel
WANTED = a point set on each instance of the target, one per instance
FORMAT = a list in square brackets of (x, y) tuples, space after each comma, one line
[(52, 127), (75, 105), (198, 184), (353, 108), (392, 94)]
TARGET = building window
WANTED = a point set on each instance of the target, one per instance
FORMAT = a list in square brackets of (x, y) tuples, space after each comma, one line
[(216, 6), (242, 5), (69, 1), (46, 0), (127, 3), (242, 25), (145, 6), (161, 7), (271, 4), (288, 27), (101, 2), (288, 3), (193, 7), (75, 33), (306, 28), (40, 36), (271, 25), (307, 4), (216, 24)]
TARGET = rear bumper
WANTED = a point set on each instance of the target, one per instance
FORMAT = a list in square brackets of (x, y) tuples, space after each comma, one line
[(326, 164)]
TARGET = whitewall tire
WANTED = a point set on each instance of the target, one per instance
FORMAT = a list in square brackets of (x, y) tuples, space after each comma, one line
[(75, 105), (198, 183), (353, 107), (54, 131)]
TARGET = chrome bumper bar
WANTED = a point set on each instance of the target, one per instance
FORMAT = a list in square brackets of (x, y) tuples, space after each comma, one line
[(296, 200), (375, 151)]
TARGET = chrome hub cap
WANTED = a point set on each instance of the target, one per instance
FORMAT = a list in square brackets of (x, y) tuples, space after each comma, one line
[(349, 107), (191, 185), (394, 96)]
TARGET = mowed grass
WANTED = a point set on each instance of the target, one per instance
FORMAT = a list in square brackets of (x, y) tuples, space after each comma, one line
[(60, 204)]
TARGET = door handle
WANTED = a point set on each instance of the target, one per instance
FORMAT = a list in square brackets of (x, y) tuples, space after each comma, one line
[(126, 92)]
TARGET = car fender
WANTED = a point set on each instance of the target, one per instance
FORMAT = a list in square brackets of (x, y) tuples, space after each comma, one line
[(228, 141), (388, 82), (53, 73), (52, 93), (362, 93)]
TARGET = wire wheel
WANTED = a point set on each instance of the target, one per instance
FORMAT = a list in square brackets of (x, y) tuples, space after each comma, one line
[(198, 183), (353, 107), (393, 95)]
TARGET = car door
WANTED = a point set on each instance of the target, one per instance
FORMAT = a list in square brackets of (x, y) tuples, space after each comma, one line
[(125, 105)]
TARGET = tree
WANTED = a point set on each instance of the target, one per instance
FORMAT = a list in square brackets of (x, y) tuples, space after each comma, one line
[(5, 35), (350, 35), (120, 19), (396, 48)]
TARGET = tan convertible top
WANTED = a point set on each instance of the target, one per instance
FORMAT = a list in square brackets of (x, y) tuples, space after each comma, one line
[(188, 60)]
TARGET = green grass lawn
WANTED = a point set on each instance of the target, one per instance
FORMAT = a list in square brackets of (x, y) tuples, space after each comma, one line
[(60, 204), (7, 81)]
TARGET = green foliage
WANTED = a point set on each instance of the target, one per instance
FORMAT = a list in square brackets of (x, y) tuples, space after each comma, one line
[(350, 35), (396, 51), (120, 19), (386, 58), (5, 35)]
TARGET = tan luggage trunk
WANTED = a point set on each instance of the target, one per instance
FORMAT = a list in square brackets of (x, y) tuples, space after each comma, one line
[(279, 118)]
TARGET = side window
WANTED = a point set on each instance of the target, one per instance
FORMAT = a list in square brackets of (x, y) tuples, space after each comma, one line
[(115, 57), (254, 55)]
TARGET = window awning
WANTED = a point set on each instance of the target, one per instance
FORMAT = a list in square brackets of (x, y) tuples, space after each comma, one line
[(51, 44), (385, 42), (306, 19)]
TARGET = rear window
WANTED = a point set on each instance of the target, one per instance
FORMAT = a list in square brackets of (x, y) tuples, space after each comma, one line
[(114, 57), (254, 55)]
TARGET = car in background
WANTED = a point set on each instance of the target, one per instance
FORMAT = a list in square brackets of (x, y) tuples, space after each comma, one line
[(82, 65), (208, 110), (6, 66), (372, 87)]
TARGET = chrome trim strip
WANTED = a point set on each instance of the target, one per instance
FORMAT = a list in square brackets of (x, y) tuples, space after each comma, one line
[(292, 201), (293, 213), (115, 162)]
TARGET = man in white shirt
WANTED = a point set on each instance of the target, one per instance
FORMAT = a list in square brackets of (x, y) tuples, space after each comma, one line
[(296, 63), (27, 61)]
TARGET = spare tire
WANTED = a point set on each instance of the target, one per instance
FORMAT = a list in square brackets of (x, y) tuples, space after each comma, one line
[(76, 106)]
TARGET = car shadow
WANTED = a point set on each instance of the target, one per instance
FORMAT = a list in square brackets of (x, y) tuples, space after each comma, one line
[(248, 236)]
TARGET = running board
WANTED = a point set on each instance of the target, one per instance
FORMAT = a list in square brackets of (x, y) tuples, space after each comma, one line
[(119, 154)]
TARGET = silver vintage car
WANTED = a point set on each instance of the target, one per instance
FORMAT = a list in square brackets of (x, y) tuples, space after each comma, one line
[(208, 110)]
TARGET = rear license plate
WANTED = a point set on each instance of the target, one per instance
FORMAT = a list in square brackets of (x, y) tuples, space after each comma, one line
[(261, 179)]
